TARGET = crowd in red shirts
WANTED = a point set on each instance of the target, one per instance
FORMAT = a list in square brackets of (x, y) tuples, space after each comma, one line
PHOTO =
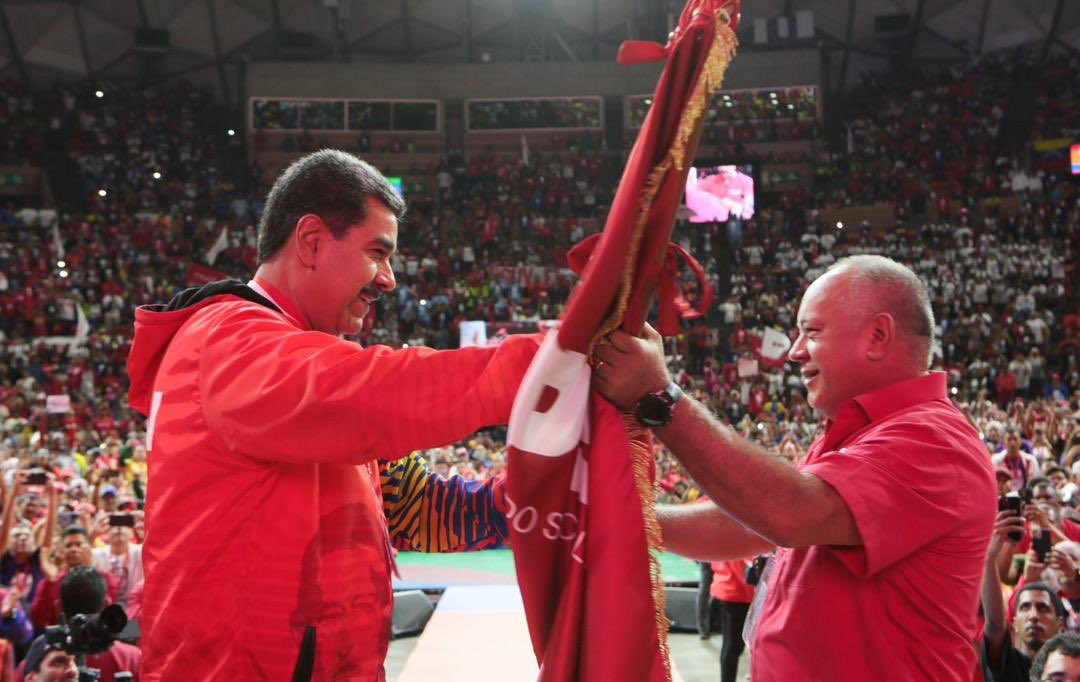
[(154, 199)]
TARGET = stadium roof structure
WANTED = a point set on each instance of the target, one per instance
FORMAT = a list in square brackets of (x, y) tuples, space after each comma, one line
[(108, 40)]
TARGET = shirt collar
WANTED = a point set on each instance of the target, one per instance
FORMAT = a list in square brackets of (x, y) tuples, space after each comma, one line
[(288, 308), (874, 406), (903, 394)]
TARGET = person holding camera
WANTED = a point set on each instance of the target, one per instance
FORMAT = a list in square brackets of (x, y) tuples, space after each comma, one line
[(885, 521), (47, 606), (83, 591), (21, 557), (1040, 613)]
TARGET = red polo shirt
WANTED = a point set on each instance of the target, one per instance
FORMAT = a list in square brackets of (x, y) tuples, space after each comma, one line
[(903, 606)]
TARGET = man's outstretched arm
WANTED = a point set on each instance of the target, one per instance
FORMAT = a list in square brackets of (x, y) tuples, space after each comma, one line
[(704, 532), (782, 505)]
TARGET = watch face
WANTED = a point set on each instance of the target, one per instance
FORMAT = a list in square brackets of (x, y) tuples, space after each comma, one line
[(653, 409)]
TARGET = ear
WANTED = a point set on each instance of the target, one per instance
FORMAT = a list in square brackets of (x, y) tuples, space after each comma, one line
[(308, 238), (882, 332)]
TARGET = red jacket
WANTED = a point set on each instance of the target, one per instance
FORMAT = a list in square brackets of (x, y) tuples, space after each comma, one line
[(264, 516)]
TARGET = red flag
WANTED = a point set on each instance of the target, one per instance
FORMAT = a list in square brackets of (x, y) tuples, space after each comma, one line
[(592, 590), (199, 275)]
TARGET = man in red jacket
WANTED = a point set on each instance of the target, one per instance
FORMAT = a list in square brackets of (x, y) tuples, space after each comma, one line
[(266, 539)]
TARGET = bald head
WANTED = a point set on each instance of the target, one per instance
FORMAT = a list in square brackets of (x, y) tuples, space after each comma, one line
[(874, 284)]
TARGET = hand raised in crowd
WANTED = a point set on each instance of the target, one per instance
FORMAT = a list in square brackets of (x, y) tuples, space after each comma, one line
[(1037, 516), (1033, 568), (11, 602), (52, 562), (101, 526), (1007, 521), (1063, 564)]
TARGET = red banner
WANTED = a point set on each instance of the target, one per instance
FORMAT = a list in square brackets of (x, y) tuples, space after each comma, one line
[(591, 615), (199, 275)]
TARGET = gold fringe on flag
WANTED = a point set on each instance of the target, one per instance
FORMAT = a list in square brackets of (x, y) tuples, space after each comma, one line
[(717, 61)]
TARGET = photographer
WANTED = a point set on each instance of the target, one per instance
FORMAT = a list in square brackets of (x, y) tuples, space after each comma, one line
[(45, 609), (82, 591)]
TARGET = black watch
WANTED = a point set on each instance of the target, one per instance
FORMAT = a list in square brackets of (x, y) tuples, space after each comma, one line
[(655, 409)]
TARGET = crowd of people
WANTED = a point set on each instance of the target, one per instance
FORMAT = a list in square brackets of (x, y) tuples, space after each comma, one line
[(156, 211), (552, 112)]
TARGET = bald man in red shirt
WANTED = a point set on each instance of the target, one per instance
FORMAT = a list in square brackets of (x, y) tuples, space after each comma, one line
[(881, 531)]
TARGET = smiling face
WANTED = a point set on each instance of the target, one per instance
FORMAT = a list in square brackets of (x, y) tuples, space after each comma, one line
[(829, 345), (352, 272)]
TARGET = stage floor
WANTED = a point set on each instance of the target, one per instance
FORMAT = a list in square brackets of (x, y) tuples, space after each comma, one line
[(496, 567), (696, 659)]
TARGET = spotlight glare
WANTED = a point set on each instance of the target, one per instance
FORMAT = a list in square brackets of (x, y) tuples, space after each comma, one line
[(157, 175), (99, 94), (102, 193), (839, 225), (64, 273), (231, 132), (61, 264)]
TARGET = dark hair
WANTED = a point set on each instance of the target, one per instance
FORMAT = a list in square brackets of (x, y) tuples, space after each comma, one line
[(1059, 607), (39, 651), (329, 183), (1067, 643), (1054, 470), (82, 590), (1038, 481), (75, 530)]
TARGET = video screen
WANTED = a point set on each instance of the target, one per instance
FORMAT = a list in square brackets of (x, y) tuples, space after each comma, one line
[(1074, 158), (718, 192)]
